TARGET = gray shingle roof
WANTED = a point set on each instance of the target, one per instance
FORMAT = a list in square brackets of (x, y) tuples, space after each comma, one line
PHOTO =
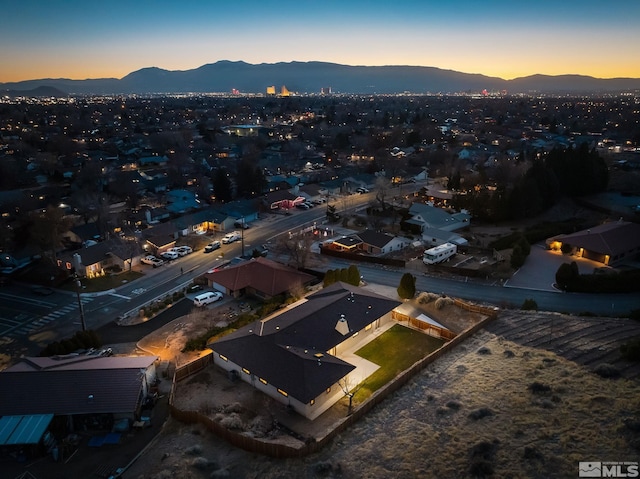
[(80, 385), (283, 349)]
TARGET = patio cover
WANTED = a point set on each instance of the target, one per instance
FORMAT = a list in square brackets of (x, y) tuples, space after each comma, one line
[(16, 430)]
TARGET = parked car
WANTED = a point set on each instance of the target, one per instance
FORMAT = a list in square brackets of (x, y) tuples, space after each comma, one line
[(152, 260), (242, 224), (231, 237), (362, 190), (214, 245), (302, 206), (206, 298), (183, 250), (319, 201), (170, 255)]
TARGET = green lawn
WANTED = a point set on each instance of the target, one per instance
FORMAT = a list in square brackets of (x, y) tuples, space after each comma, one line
[(102, 283), (394, 351)]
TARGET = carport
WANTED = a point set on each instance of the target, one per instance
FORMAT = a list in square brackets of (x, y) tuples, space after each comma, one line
[(23, 430)]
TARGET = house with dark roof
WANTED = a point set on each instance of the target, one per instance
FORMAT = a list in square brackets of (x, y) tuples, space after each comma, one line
[(299, 356), (258, 277), (377, 242), (282, 199), (428, 216), (95, 260), (80, 388), (609, 243)]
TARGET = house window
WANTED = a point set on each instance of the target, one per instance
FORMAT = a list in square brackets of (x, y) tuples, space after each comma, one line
[(263, 381), (284, 393), (312, 402), (368, 327), (246, 371), (224, 358), (328, 389)]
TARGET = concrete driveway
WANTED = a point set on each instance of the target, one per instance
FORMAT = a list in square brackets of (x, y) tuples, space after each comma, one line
[(539, 271)]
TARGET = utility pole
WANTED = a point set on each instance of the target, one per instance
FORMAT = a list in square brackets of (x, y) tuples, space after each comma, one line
[(78, 286), (242, 236)]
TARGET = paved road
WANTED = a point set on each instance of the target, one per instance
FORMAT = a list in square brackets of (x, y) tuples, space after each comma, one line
[(28, 323)]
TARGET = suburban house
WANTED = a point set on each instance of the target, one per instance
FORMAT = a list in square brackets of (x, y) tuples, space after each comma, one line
[(309, 192), (181, 201), (95, 260), (346, 243), (376, 242), (436, 237), (85, 391), (609, 243), (83, 232), (369, 241), (259, 277), (241, 210), (282, 199), (427, 216), (299, 356)]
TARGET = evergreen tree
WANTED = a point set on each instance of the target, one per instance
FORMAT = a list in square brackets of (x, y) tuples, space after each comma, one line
[(353, 275), (329, 278), (222, 185), (407, 286)]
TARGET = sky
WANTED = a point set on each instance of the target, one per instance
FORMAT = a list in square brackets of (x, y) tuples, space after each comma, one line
[(507, 39)]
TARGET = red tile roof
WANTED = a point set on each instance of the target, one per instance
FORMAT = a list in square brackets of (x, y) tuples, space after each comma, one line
[(263, 275)]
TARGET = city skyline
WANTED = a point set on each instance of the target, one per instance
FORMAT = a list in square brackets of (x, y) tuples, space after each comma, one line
[(495, 38)]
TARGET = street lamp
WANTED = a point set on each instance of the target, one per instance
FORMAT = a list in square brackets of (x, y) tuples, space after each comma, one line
[(78, 286)]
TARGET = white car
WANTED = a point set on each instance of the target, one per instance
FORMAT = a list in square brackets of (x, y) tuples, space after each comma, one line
[(230, 237), (207, 298), (152, 260), (183, 250), (170, 255), (214, 245)]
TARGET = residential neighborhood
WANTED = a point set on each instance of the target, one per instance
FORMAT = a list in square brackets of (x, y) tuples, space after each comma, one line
[(301, 251)]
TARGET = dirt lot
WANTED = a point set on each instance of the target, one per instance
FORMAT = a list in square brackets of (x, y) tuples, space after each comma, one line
[(519, 399)]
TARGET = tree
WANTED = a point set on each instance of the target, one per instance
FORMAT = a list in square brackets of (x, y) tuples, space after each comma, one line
[(298, 247), (47, 229), (222, 185), (349, 388), (382, 189), (407, 286), (329, 278), (353, 275), (566, 274)]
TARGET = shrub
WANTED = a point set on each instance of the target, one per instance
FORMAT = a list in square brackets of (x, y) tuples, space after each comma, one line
[(631, 350), (329, 278), (233, 421), (353, 275), (539, 388), (407, 286), (194, 450), (480, 413), (606, 370), (529, 305)]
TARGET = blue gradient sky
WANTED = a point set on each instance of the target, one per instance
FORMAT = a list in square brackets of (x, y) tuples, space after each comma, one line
[(95, 39)]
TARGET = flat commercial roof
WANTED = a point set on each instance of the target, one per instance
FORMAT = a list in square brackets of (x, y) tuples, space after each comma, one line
[(29, 429)]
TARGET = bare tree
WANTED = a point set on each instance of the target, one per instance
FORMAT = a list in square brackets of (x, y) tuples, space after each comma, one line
[(382, 190), (350, 388), (298, 247)]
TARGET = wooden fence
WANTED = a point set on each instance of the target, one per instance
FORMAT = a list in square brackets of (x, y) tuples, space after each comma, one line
[(312, 445)]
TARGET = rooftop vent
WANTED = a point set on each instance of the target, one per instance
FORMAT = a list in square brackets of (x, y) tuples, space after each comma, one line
[(342, 326)]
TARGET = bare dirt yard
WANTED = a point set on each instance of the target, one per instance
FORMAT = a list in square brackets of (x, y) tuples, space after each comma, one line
[(518, 399)]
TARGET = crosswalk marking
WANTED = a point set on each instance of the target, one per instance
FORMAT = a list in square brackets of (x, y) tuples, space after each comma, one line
[(24, 324)]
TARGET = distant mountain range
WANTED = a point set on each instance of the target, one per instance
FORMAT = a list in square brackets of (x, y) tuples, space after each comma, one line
[(311, 77)]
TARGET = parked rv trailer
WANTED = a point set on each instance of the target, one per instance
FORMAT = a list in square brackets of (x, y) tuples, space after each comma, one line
[(439, 253)]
